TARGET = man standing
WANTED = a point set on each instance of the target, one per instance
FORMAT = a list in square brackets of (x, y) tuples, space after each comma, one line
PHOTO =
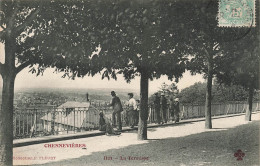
[(171, 107), (164, 107), (177, 110), (132, 110), (157, 107), (117, 107)]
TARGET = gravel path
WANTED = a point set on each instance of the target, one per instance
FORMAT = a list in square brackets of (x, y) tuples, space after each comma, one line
[(180, 145)]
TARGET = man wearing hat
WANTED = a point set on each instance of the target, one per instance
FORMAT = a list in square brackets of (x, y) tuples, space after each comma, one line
[(117, 107), (177, 110)]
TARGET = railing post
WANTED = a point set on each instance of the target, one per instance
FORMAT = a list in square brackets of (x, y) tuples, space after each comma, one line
[(67, 123), (74, 121), (219, 107), (199, 114), (61, 127), (35, 121), (153, 115), (54, 120), (31, 116), (88, 119), (23, 123), (183, 109), (15, 114), (19, 123), (27, 125), (187, 112)]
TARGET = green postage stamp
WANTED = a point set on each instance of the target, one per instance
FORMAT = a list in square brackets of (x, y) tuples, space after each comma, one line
[(236, 13)]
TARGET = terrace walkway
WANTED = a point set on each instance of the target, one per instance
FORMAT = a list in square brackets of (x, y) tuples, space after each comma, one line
[(177, 144)]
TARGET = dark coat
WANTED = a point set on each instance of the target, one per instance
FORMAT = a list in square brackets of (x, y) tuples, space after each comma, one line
[(171, 105), (116, 104), (177, 107)]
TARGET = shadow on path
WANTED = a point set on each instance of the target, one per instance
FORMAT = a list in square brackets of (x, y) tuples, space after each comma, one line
[(216, 147)]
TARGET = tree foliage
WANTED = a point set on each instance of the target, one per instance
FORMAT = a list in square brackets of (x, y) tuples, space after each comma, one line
[(142, 38), (244, 70), (41, 34), (139, 36), (196, 94), (57, 34)]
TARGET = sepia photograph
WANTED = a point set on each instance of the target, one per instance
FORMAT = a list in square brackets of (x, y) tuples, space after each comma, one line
[(129, 82)]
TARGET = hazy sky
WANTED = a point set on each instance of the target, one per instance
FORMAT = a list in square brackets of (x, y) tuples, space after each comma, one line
[(53, 80)]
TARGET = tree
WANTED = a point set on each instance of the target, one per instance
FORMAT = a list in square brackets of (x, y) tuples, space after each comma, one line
[(224, 93), (241, 65), (206, 51), (193, 94), (244, 70), (41, 34), (170, 91), (146, 39)]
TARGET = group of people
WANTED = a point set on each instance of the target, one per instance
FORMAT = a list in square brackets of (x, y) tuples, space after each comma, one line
[(132, 112), (161, 105), (116, 117)]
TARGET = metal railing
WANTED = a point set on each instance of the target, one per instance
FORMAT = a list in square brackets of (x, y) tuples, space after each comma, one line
[(43, 122)]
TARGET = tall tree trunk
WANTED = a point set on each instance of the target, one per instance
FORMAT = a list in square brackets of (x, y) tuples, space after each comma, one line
[(143, 114), (208, 122), (6, 120), (250, 104), (6, 113)]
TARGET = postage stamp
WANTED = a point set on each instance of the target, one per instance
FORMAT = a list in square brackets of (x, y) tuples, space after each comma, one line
[(236, 13)]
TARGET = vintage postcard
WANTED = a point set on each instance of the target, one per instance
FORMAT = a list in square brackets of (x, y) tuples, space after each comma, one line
[(129, 82)]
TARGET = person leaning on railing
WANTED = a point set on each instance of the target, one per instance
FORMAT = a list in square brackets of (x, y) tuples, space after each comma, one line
[(105, 126)]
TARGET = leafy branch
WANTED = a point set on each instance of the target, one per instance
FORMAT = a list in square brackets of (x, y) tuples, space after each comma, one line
[(27, 21), (22, 66)]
